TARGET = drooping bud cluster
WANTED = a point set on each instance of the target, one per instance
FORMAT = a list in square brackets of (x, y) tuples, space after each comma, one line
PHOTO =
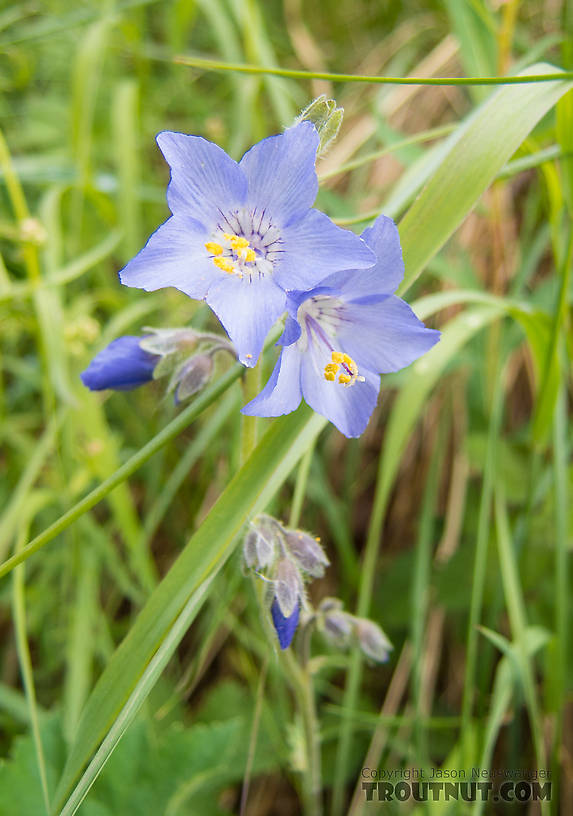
[(289, 558), (184, 355), (342, 629)]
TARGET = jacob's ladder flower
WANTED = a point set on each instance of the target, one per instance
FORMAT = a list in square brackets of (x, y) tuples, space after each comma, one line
[(243, 234), (341, 335)]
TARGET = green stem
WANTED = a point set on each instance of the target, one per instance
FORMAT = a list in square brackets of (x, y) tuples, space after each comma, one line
[(300, 487), (302, 682), (249, 424), (168, 433), (479, 570), (19, 613), (562, 575), (216, 65)]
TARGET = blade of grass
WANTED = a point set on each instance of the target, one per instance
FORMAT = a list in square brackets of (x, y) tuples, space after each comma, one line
[(25, 661), (168, 433), (248, 493), (405, 412), (470, 167)]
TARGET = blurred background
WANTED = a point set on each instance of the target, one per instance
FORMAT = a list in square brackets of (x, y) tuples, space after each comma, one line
[(474, 527)]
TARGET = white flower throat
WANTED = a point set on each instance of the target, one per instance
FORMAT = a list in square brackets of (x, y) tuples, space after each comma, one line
[(320, 317), (246, 244)]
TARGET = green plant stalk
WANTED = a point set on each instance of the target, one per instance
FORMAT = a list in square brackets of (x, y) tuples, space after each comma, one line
[(404, 414), (420, 592), (19, 615), (136, 699), (300, 487), (248, 493), (168, 433), (562, 574), (249, 424), (479, 570), (552, 351), (516, 611), (216, 65), (303, 686)]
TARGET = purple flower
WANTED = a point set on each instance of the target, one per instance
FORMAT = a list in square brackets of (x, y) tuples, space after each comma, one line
[(285, 627), (243, 234), (122, 365), (340, 335)]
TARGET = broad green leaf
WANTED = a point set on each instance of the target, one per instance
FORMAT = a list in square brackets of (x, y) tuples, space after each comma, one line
[(487, 140), (159, 626)]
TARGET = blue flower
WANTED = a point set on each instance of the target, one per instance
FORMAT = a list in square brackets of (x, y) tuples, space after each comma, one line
[(122, 365), (340, 335), (285, 627), (243, 234)]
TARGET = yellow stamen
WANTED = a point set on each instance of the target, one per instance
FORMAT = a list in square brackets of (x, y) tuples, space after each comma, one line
[(349, 374), (250, 256), (214, 248), (238, 242), (224, 264)]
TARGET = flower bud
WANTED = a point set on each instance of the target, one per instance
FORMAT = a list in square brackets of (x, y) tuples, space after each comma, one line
[(192, 376), (307, 552), (288, 586), (373, 642), (338, 627), (260, 545), (122, 366), (285, 626)]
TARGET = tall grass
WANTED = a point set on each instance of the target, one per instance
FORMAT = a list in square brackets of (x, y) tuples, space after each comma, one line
[(137, 675)]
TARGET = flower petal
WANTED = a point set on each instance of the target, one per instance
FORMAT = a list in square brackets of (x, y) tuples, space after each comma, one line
[(282, 393), (122, 365), (292, 330), (314, 248), (281, 173), (385, 336), (347, 407), (385, 276), (247, 311), (204, 179), (173, 256), (285, 627)]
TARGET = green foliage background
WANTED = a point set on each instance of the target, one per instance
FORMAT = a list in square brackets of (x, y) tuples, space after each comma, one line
[(448, 522)]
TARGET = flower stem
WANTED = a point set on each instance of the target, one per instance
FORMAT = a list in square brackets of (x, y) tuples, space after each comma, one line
[(249, 424), (301, 679)]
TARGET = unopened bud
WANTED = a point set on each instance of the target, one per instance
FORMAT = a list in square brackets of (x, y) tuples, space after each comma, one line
[(288, 586), (192, 376), (260, 544), (285, 626), (372, 640), (307, 552), (338, 627)]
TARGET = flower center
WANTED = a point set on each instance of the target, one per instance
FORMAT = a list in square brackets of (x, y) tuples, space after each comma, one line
[(245, 244), (349, 373), (320, 317)]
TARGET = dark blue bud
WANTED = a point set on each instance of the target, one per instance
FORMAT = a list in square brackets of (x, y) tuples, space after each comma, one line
[(285, 627), (122, 365)]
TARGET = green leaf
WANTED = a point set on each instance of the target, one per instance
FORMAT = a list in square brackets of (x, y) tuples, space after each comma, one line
[(486, 141), (164, 619)]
